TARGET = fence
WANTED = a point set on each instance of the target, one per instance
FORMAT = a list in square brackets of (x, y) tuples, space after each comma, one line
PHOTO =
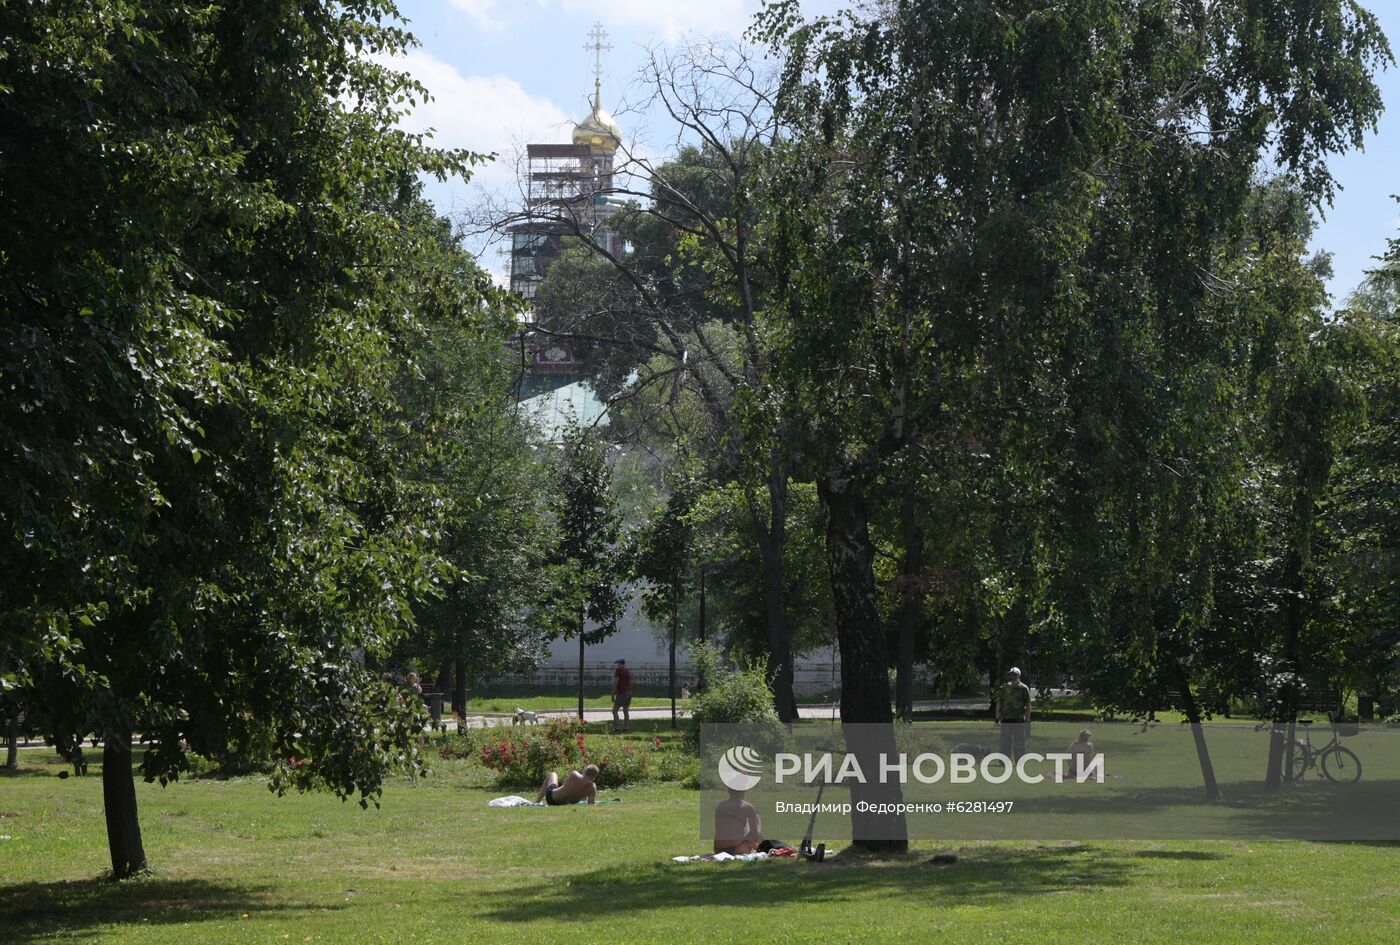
[(809, 679)]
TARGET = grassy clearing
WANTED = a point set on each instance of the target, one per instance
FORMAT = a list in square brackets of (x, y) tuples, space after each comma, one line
[(434, 864)]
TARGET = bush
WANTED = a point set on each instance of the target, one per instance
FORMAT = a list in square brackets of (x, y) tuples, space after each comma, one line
[(199, 765), (671, 765), (460, 744), (618, 763), (524, 759), (733, 695)]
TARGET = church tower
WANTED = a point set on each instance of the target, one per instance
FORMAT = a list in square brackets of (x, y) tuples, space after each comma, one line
[(568, 193)]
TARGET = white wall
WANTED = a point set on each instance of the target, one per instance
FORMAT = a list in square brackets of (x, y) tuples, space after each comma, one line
[(637, 642)]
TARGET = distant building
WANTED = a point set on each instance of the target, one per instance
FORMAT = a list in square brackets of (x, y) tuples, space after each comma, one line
[(568, 193)]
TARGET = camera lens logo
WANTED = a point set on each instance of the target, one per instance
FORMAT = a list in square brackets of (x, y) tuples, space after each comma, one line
[(739, 768)]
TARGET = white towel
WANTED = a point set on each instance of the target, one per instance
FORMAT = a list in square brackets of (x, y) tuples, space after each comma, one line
[(511, 800), (720, 858)]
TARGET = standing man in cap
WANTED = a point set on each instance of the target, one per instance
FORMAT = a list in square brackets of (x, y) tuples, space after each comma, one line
[(622, 694), (1014, 714)]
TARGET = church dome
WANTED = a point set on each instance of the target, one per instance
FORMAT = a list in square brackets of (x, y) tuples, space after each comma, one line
[(599, 130)]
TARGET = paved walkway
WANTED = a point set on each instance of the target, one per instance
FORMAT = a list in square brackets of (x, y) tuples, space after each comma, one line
[(806, 711), (827, 710)]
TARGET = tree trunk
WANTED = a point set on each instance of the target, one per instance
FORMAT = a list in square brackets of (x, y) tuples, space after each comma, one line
[(779, 657), (119, 802), (865, 685), (12, 736), (910, 612), (580, 666), (772, 538), (702, 606), (1193, 718), (675, 625), (1282, 744), (459, 688)]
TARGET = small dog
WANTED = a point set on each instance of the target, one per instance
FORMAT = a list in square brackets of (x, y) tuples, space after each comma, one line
[(525, 717)]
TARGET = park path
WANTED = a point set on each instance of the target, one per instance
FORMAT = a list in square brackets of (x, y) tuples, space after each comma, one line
[(826, 710)]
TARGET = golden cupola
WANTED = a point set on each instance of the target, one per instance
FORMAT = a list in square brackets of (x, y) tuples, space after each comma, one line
[(600, 131)]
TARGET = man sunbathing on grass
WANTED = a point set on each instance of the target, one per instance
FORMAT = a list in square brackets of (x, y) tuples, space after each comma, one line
[(738, 829), (576, 787)]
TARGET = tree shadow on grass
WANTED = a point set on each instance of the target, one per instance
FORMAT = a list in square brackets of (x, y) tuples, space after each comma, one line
[(31, 912), (1315, 810), (1178, 855), (28, 771), (985, 876)]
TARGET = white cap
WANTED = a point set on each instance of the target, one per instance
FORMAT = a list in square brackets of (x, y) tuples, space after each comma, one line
[(1014, 671)]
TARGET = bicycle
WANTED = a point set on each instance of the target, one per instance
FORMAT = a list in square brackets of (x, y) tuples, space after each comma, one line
[(1337, 763)]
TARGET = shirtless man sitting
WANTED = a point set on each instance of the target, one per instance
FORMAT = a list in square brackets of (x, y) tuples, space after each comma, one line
[(576, 787), (738, 829)]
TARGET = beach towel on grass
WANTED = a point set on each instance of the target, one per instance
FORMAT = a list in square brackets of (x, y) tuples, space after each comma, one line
[(512, 800), (721, 858), (515, 800)]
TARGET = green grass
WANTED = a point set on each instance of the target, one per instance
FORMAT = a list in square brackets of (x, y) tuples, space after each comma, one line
[(234, 864)]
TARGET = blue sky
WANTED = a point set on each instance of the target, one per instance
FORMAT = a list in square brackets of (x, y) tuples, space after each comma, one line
[(504, 72)]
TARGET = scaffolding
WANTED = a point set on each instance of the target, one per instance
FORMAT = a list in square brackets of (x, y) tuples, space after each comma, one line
[(566, 195)]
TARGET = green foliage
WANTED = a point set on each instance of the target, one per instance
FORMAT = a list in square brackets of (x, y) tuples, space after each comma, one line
[(523, 759), (199, 766), (726, 542), (590, 557), (1360, 516), (474, 453), (215, 511), (1013, 252), (733, 695), (664, 556)]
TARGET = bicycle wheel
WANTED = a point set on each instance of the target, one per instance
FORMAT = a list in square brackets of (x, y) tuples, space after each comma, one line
[(1301, 761), (1341, 765)]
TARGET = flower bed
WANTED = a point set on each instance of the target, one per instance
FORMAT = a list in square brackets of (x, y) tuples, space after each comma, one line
[(522, 759)]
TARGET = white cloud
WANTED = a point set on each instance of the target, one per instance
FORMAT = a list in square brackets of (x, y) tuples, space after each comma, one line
[(482, 11), (671, 18), (482, 113)]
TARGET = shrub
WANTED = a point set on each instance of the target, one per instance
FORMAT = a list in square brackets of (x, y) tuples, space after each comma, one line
[(522, 759), (733, 695), (461, 744), (618, 762), (675, 766), (199, 765)]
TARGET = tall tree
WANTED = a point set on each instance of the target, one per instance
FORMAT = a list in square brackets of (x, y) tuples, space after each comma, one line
[(476, 450), (665, 563), (1363, 514), (969, 185), (677, 310), (590, 557), (209, 283)]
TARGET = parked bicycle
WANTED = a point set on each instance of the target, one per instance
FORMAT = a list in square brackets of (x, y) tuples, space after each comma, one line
[(1338, 763)]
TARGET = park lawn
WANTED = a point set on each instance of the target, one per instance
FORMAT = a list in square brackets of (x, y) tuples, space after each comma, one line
[(232, 863)]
